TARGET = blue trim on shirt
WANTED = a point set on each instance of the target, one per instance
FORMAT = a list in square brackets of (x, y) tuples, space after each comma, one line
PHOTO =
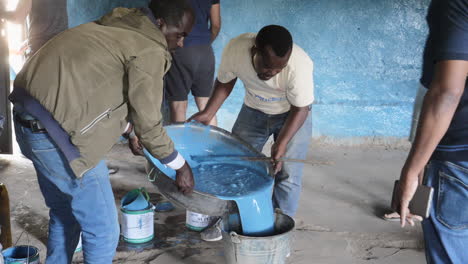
[(271, 99), (452, 148)]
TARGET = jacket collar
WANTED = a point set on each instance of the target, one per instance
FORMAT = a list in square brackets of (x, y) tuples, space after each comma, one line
[(149, 14)]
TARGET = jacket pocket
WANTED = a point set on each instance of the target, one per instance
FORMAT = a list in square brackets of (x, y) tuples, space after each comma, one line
[(96, 120), (452, 202)]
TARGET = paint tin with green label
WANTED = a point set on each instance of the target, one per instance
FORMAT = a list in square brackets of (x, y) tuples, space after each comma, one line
[(138, 226), (197, 222)]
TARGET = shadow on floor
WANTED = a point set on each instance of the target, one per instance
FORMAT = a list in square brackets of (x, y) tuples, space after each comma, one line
[(32, 223)]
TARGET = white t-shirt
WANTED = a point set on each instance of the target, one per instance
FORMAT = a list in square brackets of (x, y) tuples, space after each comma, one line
[(294, 85)]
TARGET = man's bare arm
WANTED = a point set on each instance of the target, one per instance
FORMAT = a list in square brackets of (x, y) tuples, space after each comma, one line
[(294, 121), (439, 106), (221, 91)]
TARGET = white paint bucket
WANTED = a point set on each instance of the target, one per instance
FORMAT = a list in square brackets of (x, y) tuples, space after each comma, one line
[(137, 226), (137, 217), (197, 222)]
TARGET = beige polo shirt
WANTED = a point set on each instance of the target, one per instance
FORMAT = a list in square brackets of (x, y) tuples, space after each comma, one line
[(294, 85)]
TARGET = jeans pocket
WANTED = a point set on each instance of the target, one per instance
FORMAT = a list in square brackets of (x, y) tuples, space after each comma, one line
[(51, 159), (452, 203)]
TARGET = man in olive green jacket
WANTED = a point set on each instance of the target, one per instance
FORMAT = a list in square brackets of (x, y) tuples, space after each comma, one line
[(72, 101)]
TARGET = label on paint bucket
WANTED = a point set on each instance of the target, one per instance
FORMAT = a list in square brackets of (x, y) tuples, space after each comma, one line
[(137, 226), (196, 221)]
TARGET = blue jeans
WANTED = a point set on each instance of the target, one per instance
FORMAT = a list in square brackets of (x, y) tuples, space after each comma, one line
[(255, 127), (446, 229), (85, 204)]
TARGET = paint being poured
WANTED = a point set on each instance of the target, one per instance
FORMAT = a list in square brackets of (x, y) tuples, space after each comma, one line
[(249, 186), (250, 189)]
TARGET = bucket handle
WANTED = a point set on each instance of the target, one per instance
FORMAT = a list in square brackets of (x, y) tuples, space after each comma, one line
[(235, 240), (145, 193), (151, 179), (27, 237), (234, 237)]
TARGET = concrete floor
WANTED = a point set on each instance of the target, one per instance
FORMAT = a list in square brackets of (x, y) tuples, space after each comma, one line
[(338, 220)]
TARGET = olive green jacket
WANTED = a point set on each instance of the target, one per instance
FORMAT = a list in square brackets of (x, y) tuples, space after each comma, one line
[(98, 76)]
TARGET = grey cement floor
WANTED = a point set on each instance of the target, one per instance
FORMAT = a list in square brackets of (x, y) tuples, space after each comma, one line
[(338, 219)]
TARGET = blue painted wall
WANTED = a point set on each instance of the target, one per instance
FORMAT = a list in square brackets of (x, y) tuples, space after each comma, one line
[(367, 56), (82, 11)]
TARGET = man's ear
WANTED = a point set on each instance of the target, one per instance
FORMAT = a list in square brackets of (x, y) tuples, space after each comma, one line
[(254, 50), (160, 23)]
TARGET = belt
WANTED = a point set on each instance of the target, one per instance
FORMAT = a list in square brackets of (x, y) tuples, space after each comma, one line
[(34, 125)]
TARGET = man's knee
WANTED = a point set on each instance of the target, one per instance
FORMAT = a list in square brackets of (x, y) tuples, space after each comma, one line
[(179, 105), (201, 102)]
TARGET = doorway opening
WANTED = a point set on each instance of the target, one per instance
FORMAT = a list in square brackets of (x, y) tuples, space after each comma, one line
[(13, 46)]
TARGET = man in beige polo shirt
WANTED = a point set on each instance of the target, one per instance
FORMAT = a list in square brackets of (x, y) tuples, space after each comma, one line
[(279, 90)]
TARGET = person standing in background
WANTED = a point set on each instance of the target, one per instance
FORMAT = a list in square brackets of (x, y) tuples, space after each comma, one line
[(192, 70), (46, 19), (442, 136), (193, 65)]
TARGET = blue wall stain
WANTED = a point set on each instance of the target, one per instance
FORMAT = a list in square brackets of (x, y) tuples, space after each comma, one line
[(367, 56)]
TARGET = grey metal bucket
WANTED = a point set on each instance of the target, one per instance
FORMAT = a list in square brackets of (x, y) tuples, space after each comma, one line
[(239, 249)]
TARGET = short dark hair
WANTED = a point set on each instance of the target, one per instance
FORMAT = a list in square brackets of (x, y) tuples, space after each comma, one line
[(277, 37), (171, 11)]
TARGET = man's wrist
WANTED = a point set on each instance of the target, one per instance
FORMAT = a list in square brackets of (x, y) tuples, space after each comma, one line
[(183, 167), (208, 113), (409, 172), (129, 135), (176, 163), (280, 144)]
